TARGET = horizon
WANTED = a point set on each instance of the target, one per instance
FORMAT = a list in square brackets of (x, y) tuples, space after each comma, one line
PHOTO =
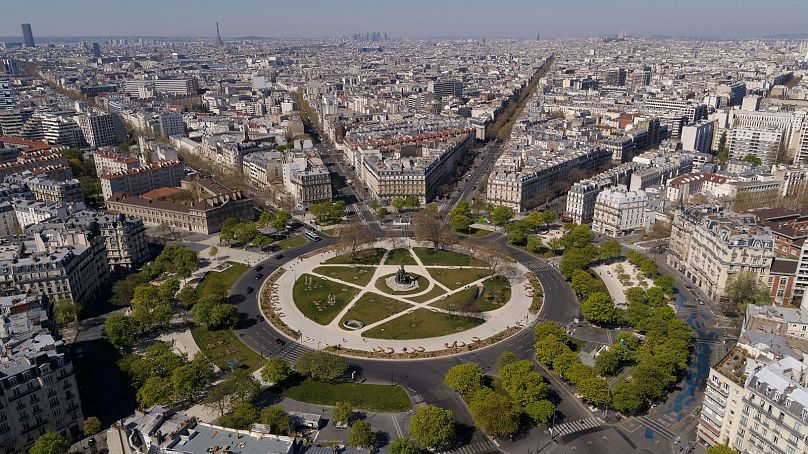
[(416, 19)]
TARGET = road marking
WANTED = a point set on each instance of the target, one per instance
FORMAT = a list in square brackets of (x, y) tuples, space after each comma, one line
[(395, 424), (576, 426), (656, 427)]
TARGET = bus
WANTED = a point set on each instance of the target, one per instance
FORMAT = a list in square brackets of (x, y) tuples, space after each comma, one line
[(312, 236)]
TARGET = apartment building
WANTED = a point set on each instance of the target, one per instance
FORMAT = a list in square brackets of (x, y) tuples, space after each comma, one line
[(140, 180), (48, 190), (697, 137), (263, 167), (758, 142), (108, 162), (146, 88), (124, 237), (709, 245), (311, 185), (581, 201), (99, 129), (38, 390), (619, 212)]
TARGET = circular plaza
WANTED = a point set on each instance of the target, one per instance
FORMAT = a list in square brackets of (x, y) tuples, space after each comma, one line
[(400, 298)]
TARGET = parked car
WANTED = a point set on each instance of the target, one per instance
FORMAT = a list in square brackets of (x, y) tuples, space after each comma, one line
[(258, 276), (250, 289), (258, 268), (279, 256)]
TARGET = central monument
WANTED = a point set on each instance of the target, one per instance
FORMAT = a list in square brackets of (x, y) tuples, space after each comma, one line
[(402, 281), (402, 278)]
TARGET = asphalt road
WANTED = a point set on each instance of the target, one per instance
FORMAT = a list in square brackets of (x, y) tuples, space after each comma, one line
[(487, 157)]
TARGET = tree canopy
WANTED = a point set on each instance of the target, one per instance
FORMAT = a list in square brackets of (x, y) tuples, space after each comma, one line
[(322, 366), (464, 378), (362, 435), (432, 427), (50, 443)]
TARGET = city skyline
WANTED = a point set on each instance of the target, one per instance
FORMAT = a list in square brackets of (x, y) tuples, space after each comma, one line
[(415, 19)]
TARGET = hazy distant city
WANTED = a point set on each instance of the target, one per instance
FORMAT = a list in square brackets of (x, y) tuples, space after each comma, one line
[(404, 228)]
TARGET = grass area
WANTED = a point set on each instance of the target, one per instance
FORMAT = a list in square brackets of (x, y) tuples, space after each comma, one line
[(455, 278), (353, 274), (311, 295), (291, 242), (434, 293), (496, 292), (400, 255), (372, 307), (422, 284), (422, 323), (222, 346), (221, 280), (430, 257), (476, 233), (364, 257), (538, 295), (363, 396), (333, 231)]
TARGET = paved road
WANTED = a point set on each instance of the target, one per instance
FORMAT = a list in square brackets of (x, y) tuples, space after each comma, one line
[(484, 161)]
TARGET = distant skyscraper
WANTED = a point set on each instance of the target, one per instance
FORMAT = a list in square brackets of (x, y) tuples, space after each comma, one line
[(218, 36), (96, 50), (28, 35)]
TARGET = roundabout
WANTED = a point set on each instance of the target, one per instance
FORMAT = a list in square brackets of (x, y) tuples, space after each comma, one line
[(400, 302)]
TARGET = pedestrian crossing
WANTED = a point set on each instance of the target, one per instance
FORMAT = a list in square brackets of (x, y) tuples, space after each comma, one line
[(656, 426), (572, 427), (415, 397), (291, 352), (482, 447), (473, 358)]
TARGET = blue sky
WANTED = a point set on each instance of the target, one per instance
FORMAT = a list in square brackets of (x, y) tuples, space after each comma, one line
[(405, 18)]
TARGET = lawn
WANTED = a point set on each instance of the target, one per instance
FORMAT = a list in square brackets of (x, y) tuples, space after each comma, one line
[(496, 292), (353, 274), (363, 396), (400, 255), (364, 257), (222, 346), (476, 233), (291, 242), (372, 307), (221, 281), (311, 295), (455, 278), (423, 283), (422, 323), (430, 256), (434, 293)]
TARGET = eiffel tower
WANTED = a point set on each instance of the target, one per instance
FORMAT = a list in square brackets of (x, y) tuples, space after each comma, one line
[(219, 41)]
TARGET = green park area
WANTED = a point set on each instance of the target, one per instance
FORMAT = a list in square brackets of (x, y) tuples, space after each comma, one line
[(423, 283), (422, 323), (475, 232), (320, 299), (491, 295), (455, 278), (359, 275), (221, 281), (431, 257), (372, 307), (371, 256), (400, 255), (368, 397), (432, 294), (290, 242)]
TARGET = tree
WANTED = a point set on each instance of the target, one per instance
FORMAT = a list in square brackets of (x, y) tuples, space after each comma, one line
[(381, 212), (352, 236), (746, 288), (610, 249), (571, 260), (721, 449), (321, 366), (244, 416), (555, 244), (92, 426), (666, 284), (149, 308), (563, 362), (649, 268), (398, 203), (549, 328), (50, 443), (656, 297), (496, 415), (583, 284), (213, 251), (430, 225), (275, 370), (177, 259), (501, 215), (610, 362), (412, 202), (222, 316), (547, 218), (752, 159), (635, 295), (189, 380), (280, 219), (362, 435), (155, 391), (595, 390), (518, 231), (460, 216), (119, 331), (403, 446), (598, 308), (541, 412), (342, 412), (523, 383), (534, 243), (227, 231), (626, 398), (578, 236), (504, 359), (549, 348), (65, 312), (276, 419), (464, 378), (432, 427)]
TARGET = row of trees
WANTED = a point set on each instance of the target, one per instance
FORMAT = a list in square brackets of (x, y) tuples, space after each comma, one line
[(497, 414), (410, 202), (326, 213)]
